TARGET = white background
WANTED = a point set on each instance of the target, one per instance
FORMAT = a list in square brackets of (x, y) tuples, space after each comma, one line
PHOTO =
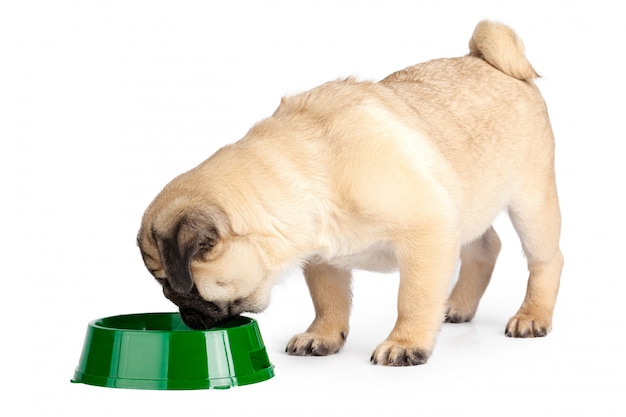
[(103, 102)]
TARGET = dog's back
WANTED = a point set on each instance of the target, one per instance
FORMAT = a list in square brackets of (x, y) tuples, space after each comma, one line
[(485, 114)]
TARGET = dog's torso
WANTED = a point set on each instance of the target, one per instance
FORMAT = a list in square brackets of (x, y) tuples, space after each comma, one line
[(450, 137)]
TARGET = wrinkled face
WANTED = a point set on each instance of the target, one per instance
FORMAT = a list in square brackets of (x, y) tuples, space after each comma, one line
[(209, 273)]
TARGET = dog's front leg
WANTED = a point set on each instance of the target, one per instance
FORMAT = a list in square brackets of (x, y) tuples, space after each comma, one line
[(330, 289), (426, 264)]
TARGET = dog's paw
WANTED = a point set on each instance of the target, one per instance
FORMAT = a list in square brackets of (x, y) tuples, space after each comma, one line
[(315, 344), (394, 354), (522, 325), (454, 314)]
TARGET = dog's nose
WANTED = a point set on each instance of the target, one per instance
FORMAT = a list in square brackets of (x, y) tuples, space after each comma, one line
[(196, 319)]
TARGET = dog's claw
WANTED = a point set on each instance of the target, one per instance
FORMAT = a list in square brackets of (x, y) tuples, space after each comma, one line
[(524, 327), (313, 344), (397, 355)]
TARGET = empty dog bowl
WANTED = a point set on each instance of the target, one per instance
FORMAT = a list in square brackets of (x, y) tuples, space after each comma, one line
[(158, 351)]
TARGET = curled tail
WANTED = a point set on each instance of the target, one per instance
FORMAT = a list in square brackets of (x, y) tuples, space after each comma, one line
[(498, 45)]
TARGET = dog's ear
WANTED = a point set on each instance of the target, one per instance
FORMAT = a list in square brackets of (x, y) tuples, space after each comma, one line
[(192, 234)]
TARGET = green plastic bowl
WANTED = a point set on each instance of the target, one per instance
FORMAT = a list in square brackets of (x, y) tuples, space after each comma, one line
[(158, 351)]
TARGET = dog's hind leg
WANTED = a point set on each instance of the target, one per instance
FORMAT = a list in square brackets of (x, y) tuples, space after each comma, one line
[(330, 289), (478, 258), (536, 217)]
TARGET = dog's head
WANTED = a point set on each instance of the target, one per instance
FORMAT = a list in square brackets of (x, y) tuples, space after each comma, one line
[(208, 271)]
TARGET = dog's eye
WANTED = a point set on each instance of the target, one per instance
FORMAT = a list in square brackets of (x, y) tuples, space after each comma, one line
[(206, 245), (208, 239)]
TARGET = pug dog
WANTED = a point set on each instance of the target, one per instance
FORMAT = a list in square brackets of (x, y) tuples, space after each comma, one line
[(406, 173)]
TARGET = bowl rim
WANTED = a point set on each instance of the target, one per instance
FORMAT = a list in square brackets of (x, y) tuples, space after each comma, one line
[(239, 322)]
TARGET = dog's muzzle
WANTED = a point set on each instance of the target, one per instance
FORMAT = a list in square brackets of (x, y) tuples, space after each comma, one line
[(196, 312)]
